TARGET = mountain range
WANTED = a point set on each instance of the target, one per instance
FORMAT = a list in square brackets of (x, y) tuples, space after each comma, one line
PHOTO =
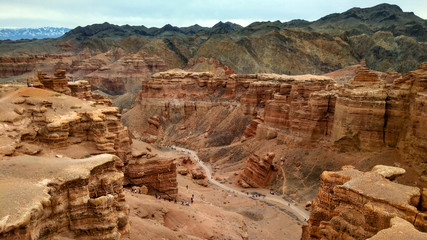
[(383, 35), (31, 33)]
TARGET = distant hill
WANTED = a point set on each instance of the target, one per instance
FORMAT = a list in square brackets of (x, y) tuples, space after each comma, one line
[(356, 21), (30, 33), (383, 35)]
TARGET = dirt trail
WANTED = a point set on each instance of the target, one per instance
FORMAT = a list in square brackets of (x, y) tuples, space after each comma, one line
[(295, 209)]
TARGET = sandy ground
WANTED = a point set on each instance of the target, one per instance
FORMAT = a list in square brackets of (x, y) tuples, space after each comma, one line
[(215, 214)]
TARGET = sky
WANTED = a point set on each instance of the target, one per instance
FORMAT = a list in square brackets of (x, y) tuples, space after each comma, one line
[(181, 13)]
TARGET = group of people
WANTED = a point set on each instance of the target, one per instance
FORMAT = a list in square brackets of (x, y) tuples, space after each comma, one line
[(255, 195), (186, 203), (29, 84), (136, 191)]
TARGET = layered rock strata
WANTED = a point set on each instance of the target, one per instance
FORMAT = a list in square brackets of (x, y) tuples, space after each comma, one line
[(156, 172), (125, 74), (57, 82), (357, 205), (372, 112), (81, 89), (258, 171), (400, 229), (38, 116), (62, 198)]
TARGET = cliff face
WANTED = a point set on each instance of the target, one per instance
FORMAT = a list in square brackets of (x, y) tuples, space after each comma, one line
[(14, 66), (360, 112), (151, 168), (62, 198), (258, 171), (124, 74), (374, 115), (303, 105), (37, 116), (371, 114), (356, 205)]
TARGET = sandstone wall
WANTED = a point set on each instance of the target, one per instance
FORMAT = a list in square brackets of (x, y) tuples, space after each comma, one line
[(13, 66), (62, 198), (356, 205), (258, 172), (123, 75), (35, 116), (156, 173), (371, 115)]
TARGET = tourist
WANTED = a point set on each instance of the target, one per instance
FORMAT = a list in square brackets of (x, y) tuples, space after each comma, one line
[(187, 204)]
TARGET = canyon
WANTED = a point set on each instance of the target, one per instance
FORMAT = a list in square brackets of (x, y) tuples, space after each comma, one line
[(109, 130), (254, 130), (269, 130)]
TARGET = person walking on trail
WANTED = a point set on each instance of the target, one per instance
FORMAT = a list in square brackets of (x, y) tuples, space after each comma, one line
[(192, 201)]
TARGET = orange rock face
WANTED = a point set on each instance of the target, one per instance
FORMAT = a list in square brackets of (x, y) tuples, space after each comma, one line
[(125, 74), (13, 66), (356, 205), (42, 117), (209, 65), (77, 198), (57, 82), (158, 174), (258, 171), (371, 114)]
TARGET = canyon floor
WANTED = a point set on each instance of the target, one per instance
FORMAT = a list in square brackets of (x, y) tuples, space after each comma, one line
[(215, 214)]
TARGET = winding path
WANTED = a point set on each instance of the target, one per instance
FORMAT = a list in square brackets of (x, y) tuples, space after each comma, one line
[(295, 209)]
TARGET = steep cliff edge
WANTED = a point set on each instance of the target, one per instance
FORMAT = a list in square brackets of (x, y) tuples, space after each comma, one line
[(37, 117), (356, 205), (62, 198), (309, 122)]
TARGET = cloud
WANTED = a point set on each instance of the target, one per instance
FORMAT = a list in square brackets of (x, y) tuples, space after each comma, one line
[(37, 13)]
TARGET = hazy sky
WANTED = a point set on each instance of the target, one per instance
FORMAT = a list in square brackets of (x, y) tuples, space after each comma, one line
[(157, 13)]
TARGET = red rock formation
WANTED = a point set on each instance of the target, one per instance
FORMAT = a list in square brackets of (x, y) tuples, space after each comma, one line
[(125, 74), (400, 229), (42, 116), (298, 104), (365, 114), (14, 66), (356, 205), (155, 172), (81, 89), (258, 171), (359, 113), (209, 65), (57, 83), (370, 115), (250, 130), (62, 198)]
